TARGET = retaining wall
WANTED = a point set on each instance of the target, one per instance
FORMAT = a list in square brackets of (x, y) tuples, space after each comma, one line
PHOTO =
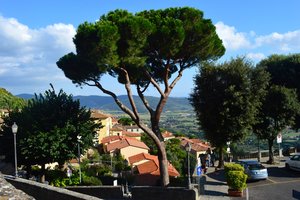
[(159, 193), (46, 192), (111, 192)]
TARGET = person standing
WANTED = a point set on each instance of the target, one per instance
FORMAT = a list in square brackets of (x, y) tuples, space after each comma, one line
[(208, 152)]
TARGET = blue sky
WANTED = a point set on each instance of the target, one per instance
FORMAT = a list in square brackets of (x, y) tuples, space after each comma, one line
[(34, 34)]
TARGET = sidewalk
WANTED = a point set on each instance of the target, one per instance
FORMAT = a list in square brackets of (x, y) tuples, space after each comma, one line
[(215, 186)]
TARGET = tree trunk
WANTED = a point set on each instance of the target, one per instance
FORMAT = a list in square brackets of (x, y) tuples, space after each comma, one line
[(162, 155), (163, 165), (271, 155), (221, 158)]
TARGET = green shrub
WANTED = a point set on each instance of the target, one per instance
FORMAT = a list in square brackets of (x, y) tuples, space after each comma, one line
[(90, 180), (236, 180), (232, 167)]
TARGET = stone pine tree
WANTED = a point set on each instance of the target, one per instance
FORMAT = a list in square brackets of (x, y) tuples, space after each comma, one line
[(145, 49), (285, 71), (48, 130), (278, 111), (226, 99)]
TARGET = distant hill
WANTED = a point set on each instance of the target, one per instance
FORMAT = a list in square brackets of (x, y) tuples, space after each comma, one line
[(107, 103), (9, 101)]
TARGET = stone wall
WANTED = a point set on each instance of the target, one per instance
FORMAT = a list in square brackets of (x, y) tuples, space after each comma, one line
[(110, 192), (159, 193), (8, 191), (46, 192)]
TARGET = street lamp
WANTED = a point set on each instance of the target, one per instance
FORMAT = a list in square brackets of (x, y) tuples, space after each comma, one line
[(188, 148), (126, 183), (14, 129), (78, 140), (228, 151)]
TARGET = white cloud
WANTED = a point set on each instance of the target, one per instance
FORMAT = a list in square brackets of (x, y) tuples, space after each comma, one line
[(256, 56), (241, 43), (232, 39), (282, 42), (28, 56)]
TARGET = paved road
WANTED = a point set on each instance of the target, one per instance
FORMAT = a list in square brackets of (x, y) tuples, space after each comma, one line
[(282, 184)]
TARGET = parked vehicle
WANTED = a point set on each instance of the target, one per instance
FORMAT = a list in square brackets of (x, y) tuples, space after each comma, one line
[(293, 162), (254, 169)]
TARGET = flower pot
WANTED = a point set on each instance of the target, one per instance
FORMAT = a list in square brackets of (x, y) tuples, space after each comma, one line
[(235, 193)]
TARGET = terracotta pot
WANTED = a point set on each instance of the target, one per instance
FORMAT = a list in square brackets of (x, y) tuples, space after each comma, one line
[(235, 193)]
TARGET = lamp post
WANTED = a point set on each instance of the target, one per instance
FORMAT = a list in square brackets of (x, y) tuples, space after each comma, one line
[(126, 183), (78, 140), (228, 151), (14, 129), (188, 148)]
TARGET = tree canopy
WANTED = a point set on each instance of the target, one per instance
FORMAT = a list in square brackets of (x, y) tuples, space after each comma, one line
[(226, 99), (48, 129), (278, 111), (285, 71), (149, 48), (126, 121)]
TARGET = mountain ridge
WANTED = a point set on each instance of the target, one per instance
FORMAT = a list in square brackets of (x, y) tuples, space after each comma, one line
[(106, 103)]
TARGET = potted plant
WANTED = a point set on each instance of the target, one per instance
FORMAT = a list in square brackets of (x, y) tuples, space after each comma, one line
[(236, 179)]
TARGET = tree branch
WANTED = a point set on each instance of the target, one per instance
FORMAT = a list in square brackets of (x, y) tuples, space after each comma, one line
[(166, 77), (144, 100), (117, 100), (130, 96), (154, 83), (172, 85)]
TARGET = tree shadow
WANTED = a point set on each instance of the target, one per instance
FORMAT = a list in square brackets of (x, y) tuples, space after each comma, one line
[(218, 175), (283, 172)]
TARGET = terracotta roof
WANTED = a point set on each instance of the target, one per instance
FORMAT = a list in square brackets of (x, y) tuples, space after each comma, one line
[(199, 147), (111, 138), (167, 134), (151, 166), (196, 144), (114, 120), (196, 140), (148, 167), (130, 134), (125, 142), (132, 127), (139, 157), (117, 127), (98, 115)]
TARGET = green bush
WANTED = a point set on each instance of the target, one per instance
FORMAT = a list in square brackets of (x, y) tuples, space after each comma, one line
[(233, 167), (54, 174), (90, 180), (58, 178), (236, 180)]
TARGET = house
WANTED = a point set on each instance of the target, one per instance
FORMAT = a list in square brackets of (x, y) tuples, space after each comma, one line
[(133, 128), (121, 131), (134, 135), (145, 168), (104, 120), (198, 147), (111, 139), (126, 147), (116, 130), (167, 135)]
